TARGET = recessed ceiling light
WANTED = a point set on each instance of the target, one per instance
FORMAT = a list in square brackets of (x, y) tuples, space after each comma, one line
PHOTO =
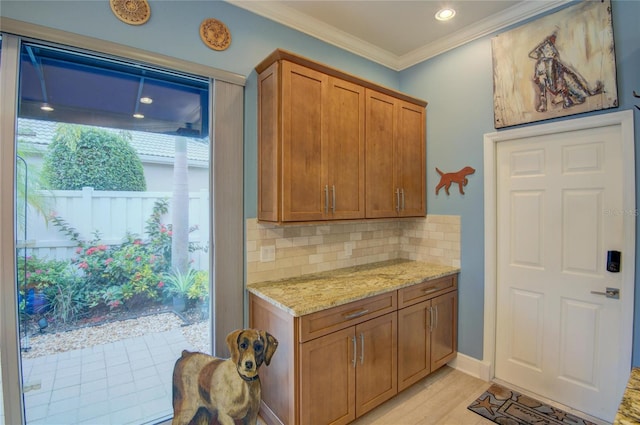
[(445, 14), (138, 115), (46, 107), (146, 100)]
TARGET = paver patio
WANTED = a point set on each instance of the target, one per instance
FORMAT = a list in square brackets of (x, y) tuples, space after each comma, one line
[(120, 383)]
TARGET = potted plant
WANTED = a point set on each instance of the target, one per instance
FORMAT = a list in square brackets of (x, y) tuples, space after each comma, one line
[(177, 285)]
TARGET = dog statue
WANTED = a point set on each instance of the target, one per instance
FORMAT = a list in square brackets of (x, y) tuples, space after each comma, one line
[(208, 388), (458, 177)]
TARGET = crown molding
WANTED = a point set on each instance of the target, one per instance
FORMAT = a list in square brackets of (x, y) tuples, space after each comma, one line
[(317, 29), (331, 35), (508, 17)]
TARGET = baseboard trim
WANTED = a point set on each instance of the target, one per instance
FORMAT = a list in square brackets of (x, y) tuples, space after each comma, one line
[(471, 366)]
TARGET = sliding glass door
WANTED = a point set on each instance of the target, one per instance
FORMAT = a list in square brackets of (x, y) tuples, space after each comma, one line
[(112, 224)]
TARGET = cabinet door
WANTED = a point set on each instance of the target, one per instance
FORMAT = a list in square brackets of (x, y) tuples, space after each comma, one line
[(414, 344), (410, 167), (380, 154), (268, 143), (376, 370), (327, 379), (303, 117), (444, 337), (345, 150)]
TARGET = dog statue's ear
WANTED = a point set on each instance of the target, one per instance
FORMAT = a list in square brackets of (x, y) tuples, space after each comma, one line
[(232, 343), (271, 345)]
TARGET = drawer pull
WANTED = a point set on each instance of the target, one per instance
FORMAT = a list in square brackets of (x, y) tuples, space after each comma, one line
[(430, 290), (355, 314)]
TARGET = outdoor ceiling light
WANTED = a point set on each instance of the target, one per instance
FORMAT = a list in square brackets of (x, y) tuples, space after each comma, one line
[(445, 14), (138, 115), (46, 107), (146, 100)]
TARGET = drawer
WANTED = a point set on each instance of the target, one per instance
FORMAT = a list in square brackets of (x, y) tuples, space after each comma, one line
[(323, 322), (426, 290)]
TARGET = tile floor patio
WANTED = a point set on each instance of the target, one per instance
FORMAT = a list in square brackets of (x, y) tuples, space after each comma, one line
[(118, 383)]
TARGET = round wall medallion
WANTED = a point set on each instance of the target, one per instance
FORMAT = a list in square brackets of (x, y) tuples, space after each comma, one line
[(133, 12), (215, 34)]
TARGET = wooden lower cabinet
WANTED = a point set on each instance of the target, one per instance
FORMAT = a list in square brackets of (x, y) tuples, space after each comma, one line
[(347, 373), (335, 365), (427, 337)]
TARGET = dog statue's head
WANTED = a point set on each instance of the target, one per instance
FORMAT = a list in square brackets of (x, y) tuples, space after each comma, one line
[(249, 349)]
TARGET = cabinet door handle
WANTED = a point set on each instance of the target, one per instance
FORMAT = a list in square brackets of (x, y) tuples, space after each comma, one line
[(430, 289), (397, 200), (402, 193), (326, 199), (361, 348), (430, 319), (333, 204), (436, 325), (355, 349), (355, 314)]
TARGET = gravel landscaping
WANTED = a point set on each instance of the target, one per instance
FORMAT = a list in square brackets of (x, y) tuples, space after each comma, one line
[(43, 344)]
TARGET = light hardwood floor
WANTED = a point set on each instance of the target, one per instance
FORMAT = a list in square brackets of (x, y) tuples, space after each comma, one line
[(439, 399)]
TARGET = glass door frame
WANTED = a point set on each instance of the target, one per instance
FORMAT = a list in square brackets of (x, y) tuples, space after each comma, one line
[(9, 338), (226, 105)]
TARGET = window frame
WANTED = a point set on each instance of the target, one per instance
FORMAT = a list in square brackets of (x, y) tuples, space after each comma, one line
[(226, 125)]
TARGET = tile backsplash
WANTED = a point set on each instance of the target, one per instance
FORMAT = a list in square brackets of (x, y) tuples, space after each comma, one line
[(276, 252)]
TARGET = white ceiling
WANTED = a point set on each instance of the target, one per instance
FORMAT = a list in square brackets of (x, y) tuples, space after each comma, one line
[(397, 34)]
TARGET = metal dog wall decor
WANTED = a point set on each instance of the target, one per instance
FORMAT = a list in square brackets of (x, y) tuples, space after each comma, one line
[(558, 65), (458, 177), (214, 391)]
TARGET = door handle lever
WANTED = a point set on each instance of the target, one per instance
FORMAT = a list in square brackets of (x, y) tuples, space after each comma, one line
[(609, 293)]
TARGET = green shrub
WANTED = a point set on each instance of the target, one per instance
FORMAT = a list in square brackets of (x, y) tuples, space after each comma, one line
[(200, 288), (177, 283), (41, 273), (67, 299), (81, 156), (121, 275)]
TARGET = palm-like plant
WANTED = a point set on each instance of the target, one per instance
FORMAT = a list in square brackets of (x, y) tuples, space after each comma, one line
[(28, 187), (178, 283)]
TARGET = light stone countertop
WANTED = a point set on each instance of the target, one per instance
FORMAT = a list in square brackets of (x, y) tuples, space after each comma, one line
[(629, 410), (314, 292)]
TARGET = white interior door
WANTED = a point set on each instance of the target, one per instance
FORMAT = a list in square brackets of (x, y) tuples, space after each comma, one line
[(560, 209)]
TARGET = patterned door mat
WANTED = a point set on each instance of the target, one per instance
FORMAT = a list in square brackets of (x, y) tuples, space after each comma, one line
[(507, 407)]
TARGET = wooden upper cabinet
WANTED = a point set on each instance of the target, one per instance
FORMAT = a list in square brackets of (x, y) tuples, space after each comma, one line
[(269, 149), (345, 150), (411, 165), (313, 124), (303, 96), (380, 156), (395, 157)]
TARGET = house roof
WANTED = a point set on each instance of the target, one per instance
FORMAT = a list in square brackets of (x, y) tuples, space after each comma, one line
[(151, 147)]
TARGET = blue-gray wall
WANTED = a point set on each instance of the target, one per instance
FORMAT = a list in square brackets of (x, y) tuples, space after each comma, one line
[(458, 86)]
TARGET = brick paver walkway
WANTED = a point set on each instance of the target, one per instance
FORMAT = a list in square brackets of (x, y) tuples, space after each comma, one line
[(124, 382)]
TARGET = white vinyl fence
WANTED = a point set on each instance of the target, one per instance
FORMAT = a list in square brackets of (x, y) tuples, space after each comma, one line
[(112, 214)]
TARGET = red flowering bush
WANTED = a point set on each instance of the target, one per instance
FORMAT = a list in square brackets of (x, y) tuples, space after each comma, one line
[(117, 274), (136, 269)]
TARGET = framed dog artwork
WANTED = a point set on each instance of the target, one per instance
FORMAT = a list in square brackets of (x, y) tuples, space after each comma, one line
[(558, 65)]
